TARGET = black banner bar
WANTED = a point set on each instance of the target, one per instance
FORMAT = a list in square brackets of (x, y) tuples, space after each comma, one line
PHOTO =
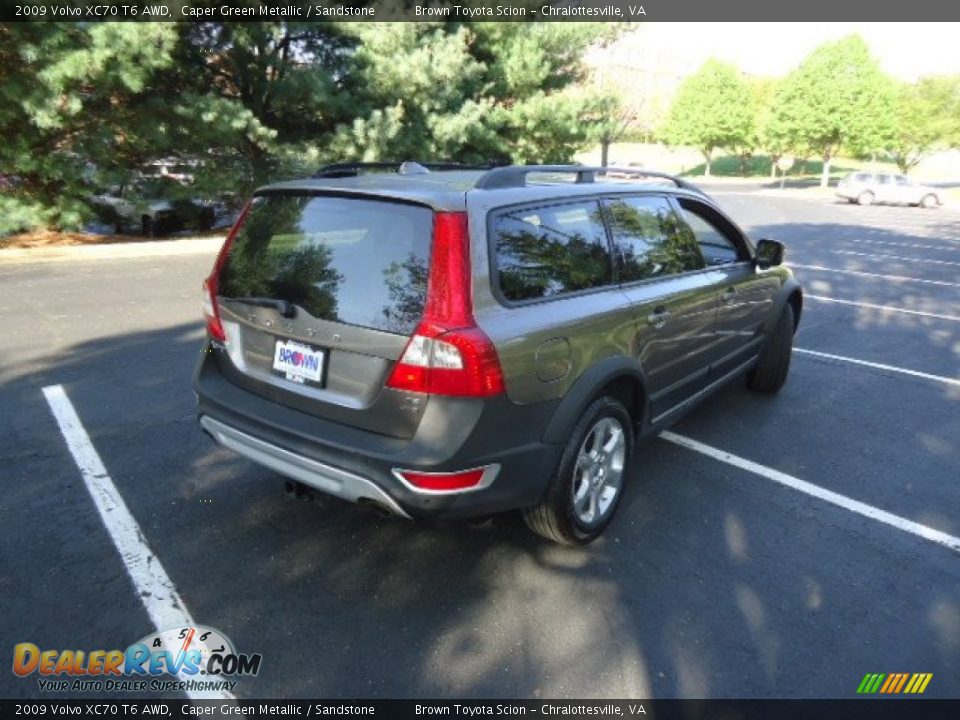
[(865, 709), (475, 10)]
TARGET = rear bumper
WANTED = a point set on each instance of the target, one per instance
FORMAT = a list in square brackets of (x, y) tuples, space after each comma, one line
[(357, 465), (326, 478)]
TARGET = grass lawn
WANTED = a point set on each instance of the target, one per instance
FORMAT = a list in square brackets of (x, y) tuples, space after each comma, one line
[(689, 162)]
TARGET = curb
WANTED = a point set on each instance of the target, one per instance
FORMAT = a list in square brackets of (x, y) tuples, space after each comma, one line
[(162, 248)]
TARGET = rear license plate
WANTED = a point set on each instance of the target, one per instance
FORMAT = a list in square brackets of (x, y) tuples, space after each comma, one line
[(298, 362)]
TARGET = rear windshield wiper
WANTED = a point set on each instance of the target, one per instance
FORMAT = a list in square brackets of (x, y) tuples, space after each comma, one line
[(284, 307)]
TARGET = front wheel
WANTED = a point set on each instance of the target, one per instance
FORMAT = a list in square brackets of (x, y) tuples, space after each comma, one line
[(865, 198), (586, 489), (929, 201), (772, 367)]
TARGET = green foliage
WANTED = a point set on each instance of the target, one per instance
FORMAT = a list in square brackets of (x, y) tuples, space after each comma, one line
[(712, 109), (837, 97), (762, 91), (67, 107), (83, 106), (927, 116), (474, 92)]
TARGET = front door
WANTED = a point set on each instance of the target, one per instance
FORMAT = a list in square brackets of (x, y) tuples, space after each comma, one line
[(673, 295), (745, 295)]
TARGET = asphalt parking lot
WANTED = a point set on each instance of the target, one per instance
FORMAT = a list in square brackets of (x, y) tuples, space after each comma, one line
[(715, 580)]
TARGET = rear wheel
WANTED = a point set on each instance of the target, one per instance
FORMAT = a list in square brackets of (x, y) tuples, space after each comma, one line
[(865, 198), (929, 201), (586, 489), (770, 374), (207, 218)]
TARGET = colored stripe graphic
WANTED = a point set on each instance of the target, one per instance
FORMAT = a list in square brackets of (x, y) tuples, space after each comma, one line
[(894, 683), (918, 683), (870, 683)]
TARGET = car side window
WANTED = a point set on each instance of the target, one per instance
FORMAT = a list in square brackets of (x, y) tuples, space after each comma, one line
[(716, 244), (551, 250), (902, 180), (651, 239)]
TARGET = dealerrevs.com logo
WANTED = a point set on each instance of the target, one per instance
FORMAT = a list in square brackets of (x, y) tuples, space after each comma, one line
[(201, 658)]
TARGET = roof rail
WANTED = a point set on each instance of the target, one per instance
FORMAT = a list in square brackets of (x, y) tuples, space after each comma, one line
[(408, 167), (510, 176), (516, 175)]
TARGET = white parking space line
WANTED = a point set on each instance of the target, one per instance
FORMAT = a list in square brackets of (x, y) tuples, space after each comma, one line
[(868, 511), (912, 246), (893, 278), (880, 366), (881, 256), (882, 308), (153, 586)]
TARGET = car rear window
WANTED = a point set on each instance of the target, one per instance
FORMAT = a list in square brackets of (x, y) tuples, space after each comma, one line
[(349, 260), (546, 251)]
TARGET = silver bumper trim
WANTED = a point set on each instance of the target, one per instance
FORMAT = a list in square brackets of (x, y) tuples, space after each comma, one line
[(325, 478)]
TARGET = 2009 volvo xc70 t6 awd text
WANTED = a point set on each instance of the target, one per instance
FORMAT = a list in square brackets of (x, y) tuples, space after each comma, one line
[(452, 342)]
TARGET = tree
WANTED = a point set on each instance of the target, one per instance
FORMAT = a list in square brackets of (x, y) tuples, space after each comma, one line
[(712, 109), (762, 90), (87, 105), (610, 90), (927, 116), (68, 112), (475, 92), (255, 101), (837, 97), (614, 121)]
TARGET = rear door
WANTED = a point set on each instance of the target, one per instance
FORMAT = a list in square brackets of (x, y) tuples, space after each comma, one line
[(745, 295), (887, 190), (556, 309), (673, 295), (318, 297), (907, 192)]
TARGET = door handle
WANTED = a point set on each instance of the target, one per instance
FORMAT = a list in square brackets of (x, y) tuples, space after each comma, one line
[(729, 295), (658, 318)]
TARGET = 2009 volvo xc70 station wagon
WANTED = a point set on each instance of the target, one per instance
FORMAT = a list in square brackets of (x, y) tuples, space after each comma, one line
[(455, 342)]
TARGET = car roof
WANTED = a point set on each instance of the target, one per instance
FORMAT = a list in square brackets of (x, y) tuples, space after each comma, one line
[(446, 190)]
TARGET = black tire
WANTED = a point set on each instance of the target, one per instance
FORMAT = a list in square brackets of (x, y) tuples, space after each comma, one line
[(207, 219), (147, 227), (555, 517), (771, 370), (865, 198)]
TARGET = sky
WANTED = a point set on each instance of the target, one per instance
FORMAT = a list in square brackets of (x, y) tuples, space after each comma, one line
[(904, 50)]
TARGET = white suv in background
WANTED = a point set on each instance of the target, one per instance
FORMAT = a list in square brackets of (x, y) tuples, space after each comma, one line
[(866, 188)]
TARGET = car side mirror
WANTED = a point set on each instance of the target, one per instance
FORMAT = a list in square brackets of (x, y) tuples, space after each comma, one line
[(769, 253)]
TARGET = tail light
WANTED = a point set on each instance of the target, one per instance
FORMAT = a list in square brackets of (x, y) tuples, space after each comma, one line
[(448, 354), (211, 284)]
